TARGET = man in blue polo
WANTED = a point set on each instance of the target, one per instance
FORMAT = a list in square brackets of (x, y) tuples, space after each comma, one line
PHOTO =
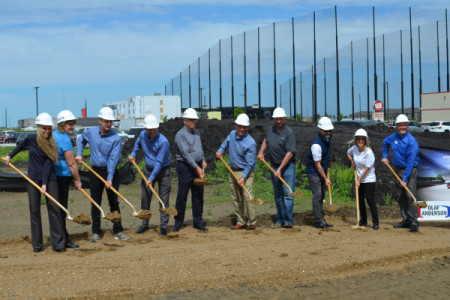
[(317, 167), (280, 140), (242, 149), (106, 148), (406, 159), (157, 169)]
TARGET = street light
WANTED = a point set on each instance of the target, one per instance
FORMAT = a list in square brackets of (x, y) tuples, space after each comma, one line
[(387, 100), (37, 103)]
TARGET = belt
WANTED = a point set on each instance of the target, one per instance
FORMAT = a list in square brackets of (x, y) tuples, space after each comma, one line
[(237, 169), (99, 168)]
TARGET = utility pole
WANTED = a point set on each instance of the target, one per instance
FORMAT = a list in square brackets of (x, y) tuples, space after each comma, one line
[(37, 101)]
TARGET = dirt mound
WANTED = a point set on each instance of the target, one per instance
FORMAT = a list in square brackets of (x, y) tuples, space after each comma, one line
[(213, 132)]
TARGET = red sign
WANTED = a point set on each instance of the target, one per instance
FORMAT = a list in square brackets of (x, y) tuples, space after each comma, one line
[(378, 105), (83, 112)]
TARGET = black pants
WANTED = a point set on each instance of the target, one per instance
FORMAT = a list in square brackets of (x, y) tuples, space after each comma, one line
[(54, 216), (318, 188), (164, 184), (186, 176), (409, 212), (63, 198), (97, 186), (367, 191)]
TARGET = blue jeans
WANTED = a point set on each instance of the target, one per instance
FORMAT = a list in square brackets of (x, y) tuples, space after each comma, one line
[(283, 200)]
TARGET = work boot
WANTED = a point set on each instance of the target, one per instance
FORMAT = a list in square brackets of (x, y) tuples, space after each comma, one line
[(71, 244), (141, 229), (121, 236), (288, 225), (402, 225), (95, 238), (414, 228), (163, 232)]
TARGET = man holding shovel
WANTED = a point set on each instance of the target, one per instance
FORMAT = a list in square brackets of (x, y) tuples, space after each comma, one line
[(280, 140), (316, 168), (405, 150), (106, 148), (157, 169), (242, 149), (190, 165)]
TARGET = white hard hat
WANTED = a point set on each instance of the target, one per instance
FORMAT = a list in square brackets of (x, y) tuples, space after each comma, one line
[(44, 119), (279, 113), (106, 113), (64, 116), (150, 122), (361, 132), (190, 113), (325, 124), (242, 120), (401, 119)]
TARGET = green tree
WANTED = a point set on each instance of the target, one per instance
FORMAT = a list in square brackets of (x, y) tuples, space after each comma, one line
[(238, 111)]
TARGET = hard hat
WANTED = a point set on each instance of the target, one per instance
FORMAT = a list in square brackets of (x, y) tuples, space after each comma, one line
[(150, 122), (279, 113), (44, 119), (242, 120), (190, 113), (325, 124), (401, 119), (361, 132), (64, 116), (106, 113)]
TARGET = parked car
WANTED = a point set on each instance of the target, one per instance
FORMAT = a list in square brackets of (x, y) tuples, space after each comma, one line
[(123, 136), (134, 131), (23, 135), (4, 135), (439, 126), (414, 126), (356, 123), (12, 137), (2, 138)]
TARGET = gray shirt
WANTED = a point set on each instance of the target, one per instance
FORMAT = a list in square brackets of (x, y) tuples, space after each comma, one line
[(280, 143), (189, 147)]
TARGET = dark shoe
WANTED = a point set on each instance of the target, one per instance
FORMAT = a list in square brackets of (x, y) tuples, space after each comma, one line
[(288, 225), (322, 224), (163, 232), (201, 228), (375, 227), (142, 229), (60, 250), (37, 249), (71, 244), (238, 226), (361, 223), (402, 225), (251, 227), (176, 228), (414, 228)]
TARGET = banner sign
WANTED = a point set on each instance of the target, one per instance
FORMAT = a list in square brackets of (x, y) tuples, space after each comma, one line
[(433, 184)]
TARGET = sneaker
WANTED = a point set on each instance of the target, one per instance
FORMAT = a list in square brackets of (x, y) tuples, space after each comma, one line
[(288, 225), (251, 227), (375, 227), (95, 238), (121, 236), (276, 226)]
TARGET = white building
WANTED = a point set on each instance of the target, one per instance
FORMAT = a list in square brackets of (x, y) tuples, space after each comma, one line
[(138, 107)]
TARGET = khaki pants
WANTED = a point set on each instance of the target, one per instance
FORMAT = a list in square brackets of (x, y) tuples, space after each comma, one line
[(245, 211)]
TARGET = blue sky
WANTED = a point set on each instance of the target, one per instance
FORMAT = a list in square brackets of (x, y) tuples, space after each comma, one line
[(107, 50)]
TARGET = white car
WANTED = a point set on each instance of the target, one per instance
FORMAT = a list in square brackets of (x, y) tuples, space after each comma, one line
[(439, 126)]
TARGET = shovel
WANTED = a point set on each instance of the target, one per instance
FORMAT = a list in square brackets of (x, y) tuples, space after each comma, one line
[(295, 194), (113, 217), (201, 181), (421, 204), (254, 201), (142, 214), (330, 207), (81, 218), (358, 216), (169, 210)]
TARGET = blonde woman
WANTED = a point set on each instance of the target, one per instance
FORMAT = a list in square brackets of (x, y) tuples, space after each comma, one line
[(42, 153), (363, 161)]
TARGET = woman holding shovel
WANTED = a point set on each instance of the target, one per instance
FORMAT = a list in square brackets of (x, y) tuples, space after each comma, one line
[(363, 161), (66, 169), (42, 152)]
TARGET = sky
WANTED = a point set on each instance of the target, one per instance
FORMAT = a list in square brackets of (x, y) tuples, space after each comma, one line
[(99, 51)]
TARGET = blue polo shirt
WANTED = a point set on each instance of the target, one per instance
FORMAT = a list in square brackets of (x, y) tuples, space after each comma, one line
[(64, 144)]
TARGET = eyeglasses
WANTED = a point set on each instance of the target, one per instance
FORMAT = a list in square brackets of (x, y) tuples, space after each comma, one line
[(328, 131), (47, 128), (359, 138)]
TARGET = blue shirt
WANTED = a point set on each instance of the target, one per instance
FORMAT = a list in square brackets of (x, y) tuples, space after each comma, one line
[(105, 149), (406, 152), (189, 146), (64, 144), (156, 152), (242, 152)]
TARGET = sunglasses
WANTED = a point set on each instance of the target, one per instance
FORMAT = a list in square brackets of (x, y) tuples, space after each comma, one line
[(360, 138)]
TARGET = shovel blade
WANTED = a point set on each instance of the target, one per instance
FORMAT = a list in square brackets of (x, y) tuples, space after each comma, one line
[(421, 204), (296, 194), (144, 214), (113, 217), (201, 181), (331, 208), (83, 219), (358, 227), (170, 211), (255, 201)]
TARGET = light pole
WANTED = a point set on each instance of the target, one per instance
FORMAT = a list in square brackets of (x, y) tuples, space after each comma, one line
[(37, 102), (360, 110), (387, 100)]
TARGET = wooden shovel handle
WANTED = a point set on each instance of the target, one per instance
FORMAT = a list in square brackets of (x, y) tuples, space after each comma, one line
[(399, 180), (111, 187), (279, 177), (149, 185), (93, 202), (329, 187), (39, 188), (357, 197)]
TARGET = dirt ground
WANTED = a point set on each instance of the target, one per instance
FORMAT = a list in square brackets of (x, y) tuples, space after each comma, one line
[(303, 262)]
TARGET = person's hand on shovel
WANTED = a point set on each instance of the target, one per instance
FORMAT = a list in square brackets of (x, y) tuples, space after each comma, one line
[(43, 189), (6, 160)]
